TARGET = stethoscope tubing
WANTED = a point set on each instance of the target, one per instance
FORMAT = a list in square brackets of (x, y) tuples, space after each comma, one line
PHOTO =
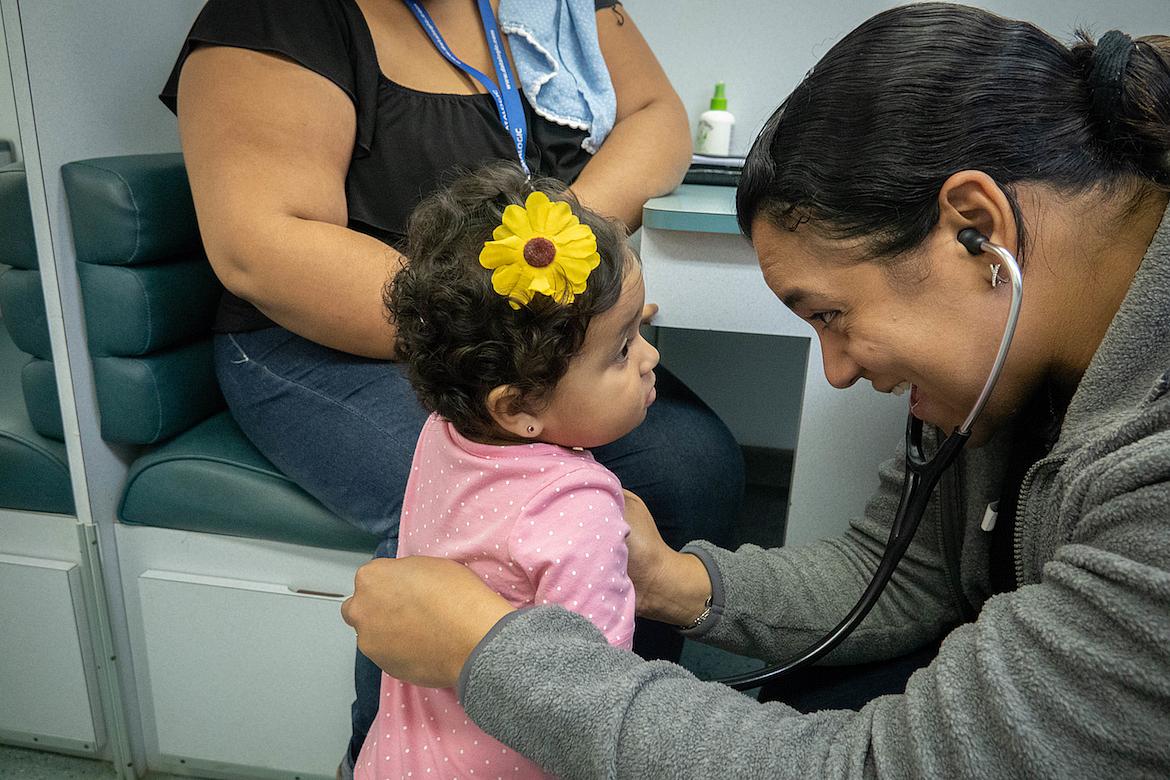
[(1014, 276), (922, 475)]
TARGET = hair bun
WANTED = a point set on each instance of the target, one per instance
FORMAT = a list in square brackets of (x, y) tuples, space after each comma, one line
[(1107, 78), (1128, 84)]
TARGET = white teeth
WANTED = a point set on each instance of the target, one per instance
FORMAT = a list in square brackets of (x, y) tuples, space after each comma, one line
[(900, 388)]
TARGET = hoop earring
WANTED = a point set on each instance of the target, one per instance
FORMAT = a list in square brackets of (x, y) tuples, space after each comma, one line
[(532, 429)]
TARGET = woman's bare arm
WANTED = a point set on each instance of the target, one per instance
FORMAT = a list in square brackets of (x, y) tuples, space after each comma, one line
[(649, 149), (267, 144)]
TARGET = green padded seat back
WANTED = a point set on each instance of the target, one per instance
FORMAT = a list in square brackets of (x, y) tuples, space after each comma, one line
[(211, 479), (34, 473), (38, 378), (149, 295), (21, 298), (17, 243), (22, 302)]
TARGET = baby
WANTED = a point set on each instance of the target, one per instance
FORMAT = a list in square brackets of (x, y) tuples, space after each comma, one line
[(518, 316)]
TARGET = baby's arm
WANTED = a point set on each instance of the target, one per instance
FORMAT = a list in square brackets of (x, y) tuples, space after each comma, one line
[(571, 542)]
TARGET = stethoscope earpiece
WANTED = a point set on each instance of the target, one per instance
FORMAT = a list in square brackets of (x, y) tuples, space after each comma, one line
[(972, 240)]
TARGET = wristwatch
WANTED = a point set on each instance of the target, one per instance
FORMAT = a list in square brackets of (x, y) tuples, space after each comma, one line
[(706, 613)]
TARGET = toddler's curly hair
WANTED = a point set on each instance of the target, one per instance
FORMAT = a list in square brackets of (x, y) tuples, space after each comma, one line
[(460, 338)]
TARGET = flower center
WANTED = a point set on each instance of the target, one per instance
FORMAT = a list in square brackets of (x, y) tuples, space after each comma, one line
[(539, 252)]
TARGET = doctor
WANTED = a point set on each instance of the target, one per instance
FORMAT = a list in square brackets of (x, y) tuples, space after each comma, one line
[(1055, 602)]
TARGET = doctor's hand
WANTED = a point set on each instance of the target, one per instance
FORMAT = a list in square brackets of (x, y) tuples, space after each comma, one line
[(669, 586), (419, 618)]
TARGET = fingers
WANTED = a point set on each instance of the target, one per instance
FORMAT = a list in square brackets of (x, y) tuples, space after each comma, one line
[(419, 618), (648, 312)]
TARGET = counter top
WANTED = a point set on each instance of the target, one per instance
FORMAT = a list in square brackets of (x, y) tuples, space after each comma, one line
[(698, 208)]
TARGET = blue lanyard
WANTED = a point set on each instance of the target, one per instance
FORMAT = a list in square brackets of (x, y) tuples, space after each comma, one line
[(508, 101)]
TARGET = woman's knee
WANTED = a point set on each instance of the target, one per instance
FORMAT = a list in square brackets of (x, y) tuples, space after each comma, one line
[(706, 486)]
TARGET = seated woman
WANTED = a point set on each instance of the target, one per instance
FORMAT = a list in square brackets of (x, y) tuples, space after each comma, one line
[(310, 131)]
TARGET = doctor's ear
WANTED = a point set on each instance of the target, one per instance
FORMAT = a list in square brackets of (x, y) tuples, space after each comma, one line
[(505, 407), (972, 199)]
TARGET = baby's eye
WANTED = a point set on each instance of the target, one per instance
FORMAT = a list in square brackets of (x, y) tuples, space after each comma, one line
[(625, 350)]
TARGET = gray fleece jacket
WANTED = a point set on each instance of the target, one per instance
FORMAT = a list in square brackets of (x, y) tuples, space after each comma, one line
[(1067, 676)]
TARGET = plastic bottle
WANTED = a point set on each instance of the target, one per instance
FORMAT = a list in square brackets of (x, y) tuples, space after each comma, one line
[(714, 136)]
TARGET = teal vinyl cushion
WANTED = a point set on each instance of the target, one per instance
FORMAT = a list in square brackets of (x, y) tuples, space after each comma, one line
[(22, 301), (130, 210), (212, 480), (23, 304), (146, 400), (39, 381), (18, 246), (135, 311), (34, 473), (150, 295)]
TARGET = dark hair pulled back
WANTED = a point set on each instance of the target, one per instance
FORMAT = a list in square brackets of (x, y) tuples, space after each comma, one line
[(863, 145), (458, 337)]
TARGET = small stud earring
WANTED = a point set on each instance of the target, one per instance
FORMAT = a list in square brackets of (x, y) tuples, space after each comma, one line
[(532, 429)]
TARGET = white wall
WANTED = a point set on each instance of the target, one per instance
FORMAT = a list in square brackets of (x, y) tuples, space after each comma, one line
[(762, 48)]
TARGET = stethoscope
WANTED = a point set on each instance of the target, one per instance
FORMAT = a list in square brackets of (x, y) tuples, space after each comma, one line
[(917, 485)]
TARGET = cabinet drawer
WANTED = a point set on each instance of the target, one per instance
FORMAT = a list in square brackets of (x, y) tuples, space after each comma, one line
[(246, 674), (48, 692)]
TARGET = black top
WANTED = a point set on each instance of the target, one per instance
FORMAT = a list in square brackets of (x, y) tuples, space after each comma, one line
[(407, 142)]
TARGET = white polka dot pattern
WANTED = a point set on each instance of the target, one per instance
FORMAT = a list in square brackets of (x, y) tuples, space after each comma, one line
[(540, 525)]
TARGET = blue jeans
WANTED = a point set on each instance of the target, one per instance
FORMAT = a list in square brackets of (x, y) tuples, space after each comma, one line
[(344, 428)]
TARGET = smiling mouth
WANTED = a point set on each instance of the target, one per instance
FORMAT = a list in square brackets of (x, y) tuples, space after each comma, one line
[(898, 389)]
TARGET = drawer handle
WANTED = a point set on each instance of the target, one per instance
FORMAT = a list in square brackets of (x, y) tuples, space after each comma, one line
[(322, 593)]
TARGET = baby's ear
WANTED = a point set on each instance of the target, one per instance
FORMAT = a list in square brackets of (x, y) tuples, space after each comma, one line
[(503, 404)]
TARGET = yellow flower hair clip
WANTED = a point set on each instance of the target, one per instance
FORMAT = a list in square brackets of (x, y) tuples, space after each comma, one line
[(541, 247)]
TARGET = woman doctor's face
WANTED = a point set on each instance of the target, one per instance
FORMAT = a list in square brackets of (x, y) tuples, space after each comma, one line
[(931, 325)]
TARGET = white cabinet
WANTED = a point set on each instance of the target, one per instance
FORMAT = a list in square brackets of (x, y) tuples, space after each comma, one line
[(244, 665), (48, 691), (246, 673)]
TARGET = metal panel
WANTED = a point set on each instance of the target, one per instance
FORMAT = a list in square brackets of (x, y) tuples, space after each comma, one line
[(246, 674), (47, 685)]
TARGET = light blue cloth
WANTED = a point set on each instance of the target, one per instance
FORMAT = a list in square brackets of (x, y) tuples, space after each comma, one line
[(559, 64)]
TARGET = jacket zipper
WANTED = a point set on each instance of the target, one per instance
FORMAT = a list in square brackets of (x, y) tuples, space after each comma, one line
[(1021, 514)]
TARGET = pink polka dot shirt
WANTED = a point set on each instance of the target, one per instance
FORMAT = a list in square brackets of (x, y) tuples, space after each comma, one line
[(540, 524)]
